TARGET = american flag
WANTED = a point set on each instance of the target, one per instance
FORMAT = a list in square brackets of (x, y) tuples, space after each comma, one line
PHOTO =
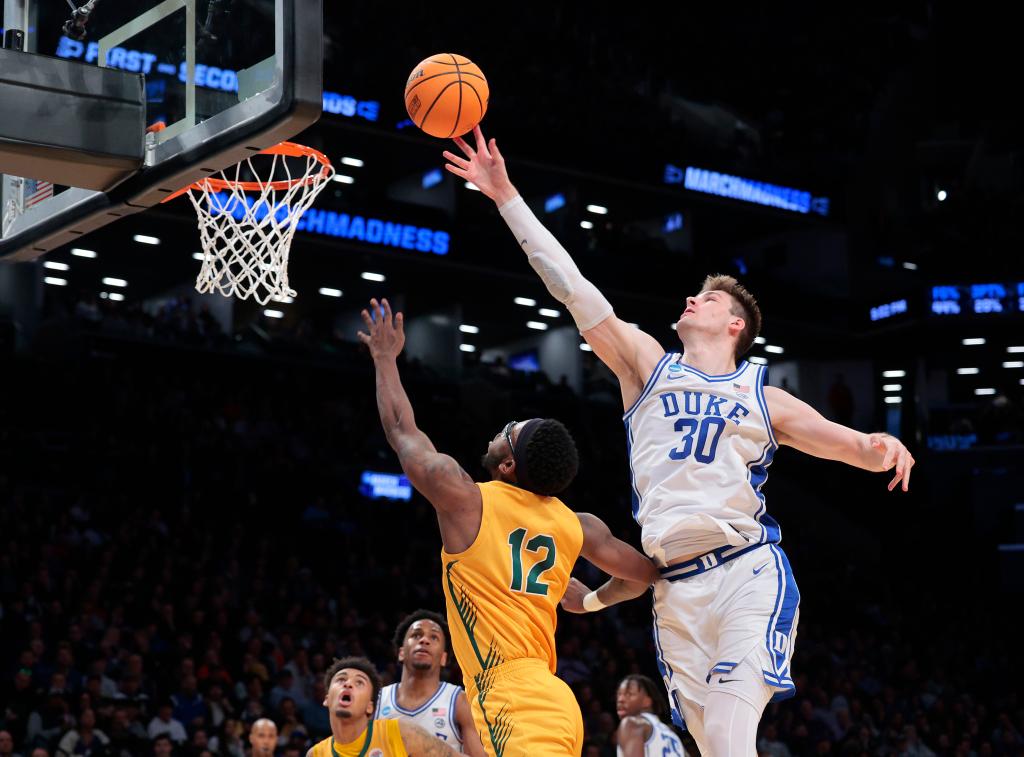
[(37, 191), (741, 388)]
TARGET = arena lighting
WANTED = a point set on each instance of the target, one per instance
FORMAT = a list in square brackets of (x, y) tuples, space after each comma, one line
[(941, 195), (759, 340), (371, 276), (548, 313), (53, 265), (115, 296), (973, 341), (78, 252), (1014, 350), (111, 282), (467, 329), (525, 301), (330, 292), (773, 348), (432, 178), (757, 360), (536, 326), (471, 185), (892, 388), (285, 300), (587, 348), (984, 391), (893, 374), (198, 256), (273, 313), (967, 371), (586, 225), (343, 179), (893, 400), (597, 209), (354, 162), (554, 202), (467, 348), (54, 281), (910, 266), (146, 239), (1014, 364)]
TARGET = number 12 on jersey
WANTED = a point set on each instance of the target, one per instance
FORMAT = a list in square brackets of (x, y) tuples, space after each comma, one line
[(539, 542)]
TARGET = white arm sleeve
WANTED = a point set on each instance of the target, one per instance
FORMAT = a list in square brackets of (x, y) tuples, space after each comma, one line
[(552, 263)]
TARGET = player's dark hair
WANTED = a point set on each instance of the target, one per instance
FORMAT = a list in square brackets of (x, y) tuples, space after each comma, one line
[(355, 663), (744, 306), (551, 458), (403, 627), (651, 689)]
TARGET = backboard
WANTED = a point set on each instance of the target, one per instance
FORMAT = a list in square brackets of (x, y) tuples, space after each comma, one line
[(222, 79)]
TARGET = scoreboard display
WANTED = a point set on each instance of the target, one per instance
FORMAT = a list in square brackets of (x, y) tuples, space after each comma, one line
[(981, 299)]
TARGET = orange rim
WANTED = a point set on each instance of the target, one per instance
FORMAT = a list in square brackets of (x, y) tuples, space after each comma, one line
[(289, 149)]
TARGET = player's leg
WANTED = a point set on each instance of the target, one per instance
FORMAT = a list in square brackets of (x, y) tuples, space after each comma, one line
[(682, 631), (730, 726)]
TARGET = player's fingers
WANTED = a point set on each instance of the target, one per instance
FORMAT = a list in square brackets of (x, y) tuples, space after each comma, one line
[(457, 171), (890, 458), (387, 312), (460, 162), (367, 320), (481, 143), (364, 338), (906, 478), (399, 321), (464, 146), (494, 149)]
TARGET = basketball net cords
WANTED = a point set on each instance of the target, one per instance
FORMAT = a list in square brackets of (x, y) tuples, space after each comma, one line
[(245, 242), (14, 207)]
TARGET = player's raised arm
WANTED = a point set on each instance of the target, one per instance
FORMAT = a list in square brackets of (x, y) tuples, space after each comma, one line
[(437, 477), (628, 352), (799, 425)]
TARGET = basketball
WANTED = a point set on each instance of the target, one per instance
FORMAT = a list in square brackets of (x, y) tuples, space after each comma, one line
[(446, 95)]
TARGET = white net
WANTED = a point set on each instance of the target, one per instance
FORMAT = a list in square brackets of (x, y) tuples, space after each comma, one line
[(246, 227)]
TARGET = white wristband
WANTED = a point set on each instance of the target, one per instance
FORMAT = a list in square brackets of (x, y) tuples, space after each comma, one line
[(591, 602)]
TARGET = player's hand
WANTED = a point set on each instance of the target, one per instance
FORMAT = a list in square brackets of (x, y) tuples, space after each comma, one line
[(483, 166), (895, 454), (386, 335), (574, 594)]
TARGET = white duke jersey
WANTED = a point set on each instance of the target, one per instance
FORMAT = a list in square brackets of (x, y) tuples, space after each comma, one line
[(662, 742), (699, 450), (436, 716)]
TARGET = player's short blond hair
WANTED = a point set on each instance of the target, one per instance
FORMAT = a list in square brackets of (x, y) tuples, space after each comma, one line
[(744, 306)]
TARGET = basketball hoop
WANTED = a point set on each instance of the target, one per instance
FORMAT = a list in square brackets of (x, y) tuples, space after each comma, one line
[(246, 226)]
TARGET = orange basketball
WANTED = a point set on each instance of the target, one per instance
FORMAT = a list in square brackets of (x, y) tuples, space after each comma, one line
[(446, 95)]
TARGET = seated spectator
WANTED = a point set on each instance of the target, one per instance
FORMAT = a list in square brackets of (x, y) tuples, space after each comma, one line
[(164, 723)]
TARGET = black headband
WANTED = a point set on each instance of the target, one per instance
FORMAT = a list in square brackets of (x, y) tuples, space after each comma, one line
[(522, 469)]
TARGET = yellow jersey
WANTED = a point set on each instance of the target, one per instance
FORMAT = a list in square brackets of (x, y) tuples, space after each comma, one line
[(502, 592), (382, 738)]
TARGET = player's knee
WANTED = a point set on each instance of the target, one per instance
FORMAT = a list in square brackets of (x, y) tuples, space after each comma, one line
[(730, 726)]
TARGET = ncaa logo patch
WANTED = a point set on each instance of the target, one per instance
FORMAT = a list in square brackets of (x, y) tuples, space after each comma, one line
[(675, 368), (385, 710), (376, 753)]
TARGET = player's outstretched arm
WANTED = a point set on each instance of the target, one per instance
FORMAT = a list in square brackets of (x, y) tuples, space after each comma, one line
[(628, 352), (632, 736), (419, 743), (632, 572), (471, 743), (437, 477), (799, 425)]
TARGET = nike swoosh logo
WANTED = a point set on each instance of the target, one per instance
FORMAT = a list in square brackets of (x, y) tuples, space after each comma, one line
[(758, 570), (728, 680), (523, 243)]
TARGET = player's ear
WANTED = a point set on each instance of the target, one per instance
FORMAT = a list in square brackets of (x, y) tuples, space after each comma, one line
[(401, 653), (370, 707), (444, 659)]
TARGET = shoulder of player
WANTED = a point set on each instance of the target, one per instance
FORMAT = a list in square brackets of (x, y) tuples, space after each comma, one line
[(636, 725)]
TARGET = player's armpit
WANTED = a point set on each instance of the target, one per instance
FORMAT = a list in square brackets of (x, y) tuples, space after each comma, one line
[(613, 555), (631, 354), (436, 476), (419, 743)]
